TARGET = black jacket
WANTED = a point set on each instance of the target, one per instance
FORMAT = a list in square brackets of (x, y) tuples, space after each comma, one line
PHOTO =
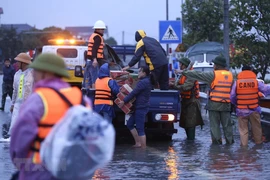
[(150, 49)]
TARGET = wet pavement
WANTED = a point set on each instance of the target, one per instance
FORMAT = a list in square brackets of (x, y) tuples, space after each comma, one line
[(177, 159)]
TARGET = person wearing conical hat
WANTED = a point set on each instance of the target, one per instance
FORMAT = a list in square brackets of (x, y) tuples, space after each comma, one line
[(41, 110), (22, 85)]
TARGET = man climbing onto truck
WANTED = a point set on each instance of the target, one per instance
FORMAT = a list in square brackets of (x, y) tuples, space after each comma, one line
[(155, 57)]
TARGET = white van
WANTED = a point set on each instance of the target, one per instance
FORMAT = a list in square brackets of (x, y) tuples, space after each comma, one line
[(74, 54)]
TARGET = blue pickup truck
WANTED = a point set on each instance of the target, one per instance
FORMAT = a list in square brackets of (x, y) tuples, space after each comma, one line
[(164, 105), (163, 114)]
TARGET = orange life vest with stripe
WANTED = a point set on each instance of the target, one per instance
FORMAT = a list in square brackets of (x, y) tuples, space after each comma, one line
[(103, 93), (247, 90), (221, 86), (91, 44), (54, 109), (195, 90)]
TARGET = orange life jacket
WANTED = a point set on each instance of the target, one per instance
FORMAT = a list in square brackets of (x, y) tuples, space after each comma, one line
[(195, 90), (221, 86), (247, 90), (54, 108), (103, 93), (91, 44)]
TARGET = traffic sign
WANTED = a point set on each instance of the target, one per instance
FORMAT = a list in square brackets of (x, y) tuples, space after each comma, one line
[(170, 32)]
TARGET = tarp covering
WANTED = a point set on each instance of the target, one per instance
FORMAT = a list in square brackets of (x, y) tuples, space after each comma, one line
[(205, 47)]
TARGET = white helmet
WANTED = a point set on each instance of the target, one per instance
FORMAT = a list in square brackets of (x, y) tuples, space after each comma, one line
[(99, 25)]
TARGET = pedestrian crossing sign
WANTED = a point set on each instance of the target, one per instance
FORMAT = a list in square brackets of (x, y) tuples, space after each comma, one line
[(170, 32)]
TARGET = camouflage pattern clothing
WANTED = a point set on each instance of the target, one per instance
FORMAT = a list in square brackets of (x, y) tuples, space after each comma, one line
[(219, 112), (190, 116)]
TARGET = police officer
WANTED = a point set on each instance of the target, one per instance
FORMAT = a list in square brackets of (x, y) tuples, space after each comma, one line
[(219, 105), (245, 96)]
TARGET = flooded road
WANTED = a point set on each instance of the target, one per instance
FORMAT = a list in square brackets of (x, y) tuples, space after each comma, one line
[(177, 159)]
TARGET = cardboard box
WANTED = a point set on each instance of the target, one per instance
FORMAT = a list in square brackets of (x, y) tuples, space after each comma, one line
[(125, 109), (124, 91), (128, 105), (121, 77)]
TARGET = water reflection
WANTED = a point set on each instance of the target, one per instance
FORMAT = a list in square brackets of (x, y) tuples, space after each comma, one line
[(171, 162)]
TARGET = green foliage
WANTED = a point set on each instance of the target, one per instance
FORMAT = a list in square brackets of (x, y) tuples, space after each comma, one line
[(12, 43), (252, 34), (202, 20), (111, 41)]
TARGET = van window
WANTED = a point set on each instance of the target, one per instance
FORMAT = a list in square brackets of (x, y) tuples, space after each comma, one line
[(199, 58), (67, 53), (210, 57)]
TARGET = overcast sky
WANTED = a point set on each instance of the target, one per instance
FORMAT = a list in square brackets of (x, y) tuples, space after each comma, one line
[(119, 15)]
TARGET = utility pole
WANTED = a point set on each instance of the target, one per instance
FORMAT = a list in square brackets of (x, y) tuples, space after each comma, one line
[(226, 37), (123, 37), (1, 12), (182, 20), (167, 18)]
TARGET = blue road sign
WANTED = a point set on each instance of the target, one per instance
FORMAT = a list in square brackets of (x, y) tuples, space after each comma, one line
[(170, 32)]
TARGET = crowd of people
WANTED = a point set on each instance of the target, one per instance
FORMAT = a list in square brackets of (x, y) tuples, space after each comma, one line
[(35, 108)]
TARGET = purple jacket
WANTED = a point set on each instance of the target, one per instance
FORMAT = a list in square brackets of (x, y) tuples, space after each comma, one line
[(265, 89), (26, 129)]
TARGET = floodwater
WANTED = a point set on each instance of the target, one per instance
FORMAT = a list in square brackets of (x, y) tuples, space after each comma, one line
[(177, 159)]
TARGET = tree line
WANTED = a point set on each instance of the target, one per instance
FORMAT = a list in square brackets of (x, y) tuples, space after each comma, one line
[(12, 43), (202, 21), (249, 29)]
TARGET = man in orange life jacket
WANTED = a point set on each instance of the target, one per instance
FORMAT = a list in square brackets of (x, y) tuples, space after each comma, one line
[(41, 110), (219, 105), (190, 104), (245, 96), (95, 52), (106, 90)]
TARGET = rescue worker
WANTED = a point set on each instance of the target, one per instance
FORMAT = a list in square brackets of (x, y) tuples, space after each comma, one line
[(7, 86), (142, 93), (95, 50), (106, 90), (155, 57), (190, 104), (43, 108), (245, 96), (219, 105), (22, 85)]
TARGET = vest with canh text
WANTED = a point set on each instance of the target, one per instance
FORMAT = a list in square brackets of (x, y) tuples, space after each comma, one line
[(247, 90)]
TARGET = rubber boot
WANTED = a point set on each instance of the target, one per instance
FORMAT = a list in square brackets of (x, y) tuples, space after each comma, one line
[(3, 104), (190, 133)]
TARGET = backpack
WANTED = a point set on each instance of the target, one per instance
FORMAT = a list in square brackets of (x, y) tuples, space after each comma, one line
[(78, 144)]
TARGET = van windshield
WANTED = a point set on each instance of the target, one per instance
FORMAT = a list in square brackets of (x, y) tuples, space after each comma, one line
[(203, 68)]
